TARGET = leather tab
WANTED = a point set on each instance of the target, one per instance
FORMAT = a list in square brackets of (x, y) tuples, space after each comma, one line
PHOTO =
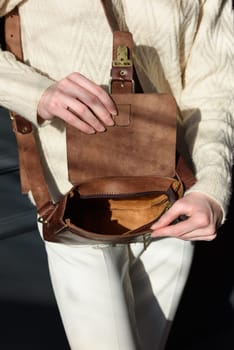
[(123, 117)]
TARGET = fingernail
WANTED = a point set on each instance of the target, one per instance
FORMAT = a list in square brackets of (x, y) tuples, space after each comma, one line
[(101, 129), (91, 130), (111, 122)]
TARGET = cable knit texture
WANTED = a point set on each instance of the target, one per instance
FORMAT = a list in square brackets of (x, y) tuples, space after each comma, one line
[(185, 47)]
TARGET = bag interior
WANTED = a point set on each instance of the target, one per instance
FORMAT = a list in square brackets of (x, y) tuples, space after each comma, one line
[(114, 215)]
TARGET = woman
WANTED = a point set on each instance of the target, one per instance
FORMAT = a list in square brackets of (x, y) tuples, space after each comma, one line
[(123, 297)]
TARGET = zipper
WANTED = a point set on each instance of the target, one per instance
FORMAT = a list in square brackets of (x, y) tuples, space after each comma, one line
[(120, 195)]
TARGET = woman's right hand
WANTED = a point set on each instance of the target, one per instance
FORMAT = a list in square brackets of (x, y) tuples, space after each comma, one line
[(79, 102)]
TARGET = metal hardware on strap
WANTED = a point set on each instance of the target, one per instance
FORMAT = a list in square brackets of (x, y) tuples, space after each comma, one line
[(146, 240), (42, 220), (11, 114), (20, 124), (46, 212), (122, 58)]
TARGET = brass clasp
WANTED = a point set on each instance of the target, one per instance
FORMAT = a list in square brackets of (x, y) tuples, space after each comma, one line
[(122, 57)]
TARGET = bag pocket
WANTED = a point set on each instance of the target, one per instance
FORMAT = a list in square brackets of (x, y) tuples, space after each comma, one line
[(114, 216)]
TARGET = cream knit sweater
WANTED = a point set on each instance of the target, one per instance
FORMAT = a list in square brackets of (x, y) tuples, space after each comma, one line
[(182, 46)]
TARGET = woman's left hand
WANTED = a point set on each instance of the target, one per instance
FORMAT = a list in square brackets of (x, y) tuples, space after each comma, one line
[(203, 216)]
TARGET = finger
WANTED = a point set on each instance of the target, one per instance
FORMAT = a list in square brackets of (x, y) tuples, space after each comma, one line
[(187, 230), (95, 90), (84, 113), (87, 98), (198, 236), (77, 110), (203, 233), (73, 120), (195, 222), (96, 107), (174, 230), (168, 217), (204, 238)]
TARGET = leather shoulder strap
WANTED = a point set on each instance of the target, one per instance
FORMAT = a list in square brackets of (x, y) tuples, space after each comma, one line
[(12, 33), (107, 6), (31, 171), (122, 63)]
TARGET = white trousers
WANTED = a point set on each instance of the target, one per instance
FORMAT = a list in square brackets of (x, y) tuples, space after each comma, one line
[(118, 298)]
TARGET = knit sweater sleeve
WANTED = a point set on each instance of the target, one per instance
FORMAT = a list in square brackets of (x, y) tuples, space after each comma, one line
[(207, 101), (20, 86)]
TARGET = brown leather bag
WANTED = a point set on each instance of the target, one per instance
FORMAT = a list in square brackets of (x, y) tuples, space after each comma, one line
[(123, 179)]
